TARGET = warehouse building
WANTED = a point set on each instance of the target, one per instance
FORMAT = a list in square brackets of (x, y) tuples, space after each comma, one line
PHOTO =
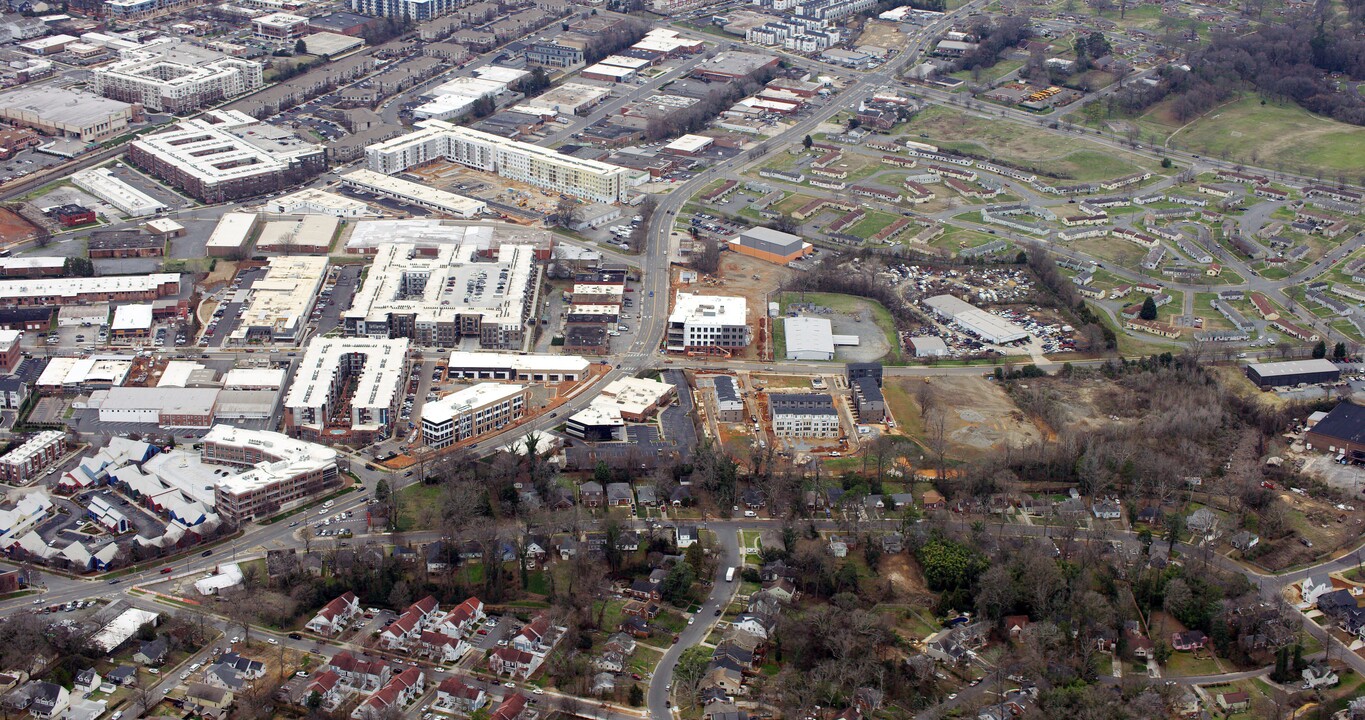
[(542, 167), (278, 471), (360, 376), (130, 201), (801, 415), (66, 113), (438, 295), (224, 155), (232, 236), (299, 234), (771, 245), (708, 324), (809, 338), (417, 194), (518, 368), (163, 407), (37, 266), (88, 290), (1292, 372), (471, 412), (1341, 431), (175, 77), (566, 100), (986, 326), (279, 303)]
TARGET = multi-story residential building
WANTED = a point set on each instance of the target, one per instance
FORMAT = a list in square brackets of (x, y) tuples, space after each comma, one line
[(412, 10), (471, 412), (13, 392), (175, 77), (27, 462), (707, 323), (804, 415), (542, 167), (280, 471), (361, 376), (225, 155), (557, 52), (438, 295)]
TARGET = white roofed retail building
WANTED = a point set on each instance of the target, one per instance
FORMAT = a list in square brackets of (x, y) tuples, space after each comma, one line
[(987, 326)]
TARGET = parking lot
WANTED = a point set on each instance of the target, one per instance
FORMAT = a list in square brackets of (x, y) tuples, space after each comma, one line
[(230, 311)]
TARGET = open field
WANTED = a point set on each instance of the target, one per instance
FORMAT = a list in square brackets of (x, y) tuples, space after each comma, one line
[(1275, 135), (883, 34), (1064, 157), (980, 417)]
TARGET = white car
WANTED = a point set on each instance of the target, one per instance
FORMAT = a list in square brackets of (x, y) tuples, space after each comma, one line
[(509, 685), (273, 641), (750, 514), (538, 691)]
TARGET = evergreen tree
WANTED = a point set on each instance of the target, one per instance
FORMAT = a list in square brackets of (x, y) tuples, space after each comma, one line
[(1148, 311)]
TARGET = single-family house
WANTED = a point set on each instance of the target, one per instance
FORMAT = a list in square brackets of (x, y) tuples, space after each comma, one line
[(511, 661), (687, 535), (151, 652), (1314, 586), (87, 681), (1203, 522), (591, 494), (933, 500), (122, 675), (1015, 625), (620, 495), (647, 495), (48, 700), (534, 637), (209, 697), (1106, 510), (1244, 540), (1234, 702), (1319, 675), (1188, 640)]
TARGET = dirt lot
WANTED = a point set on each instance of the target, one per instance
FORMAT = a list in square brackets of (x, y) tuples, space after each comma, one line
[(883, 34), (750, 278), (486, 186), (13, 228), (980, 416)]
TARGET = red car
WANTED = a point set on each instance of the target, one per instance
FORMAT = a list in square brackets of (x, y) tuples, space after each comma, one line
[(483, 631), (165, 571)]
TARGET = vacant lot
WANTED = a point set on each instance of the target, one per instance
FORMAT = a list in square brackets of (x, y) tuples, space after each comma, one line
[(1065, 157), (883, 34), (980, 417), (14, 229)]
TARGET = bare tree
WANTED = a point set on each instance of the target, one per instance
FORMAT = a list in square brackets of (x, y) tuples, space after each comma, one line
[(936, 427)]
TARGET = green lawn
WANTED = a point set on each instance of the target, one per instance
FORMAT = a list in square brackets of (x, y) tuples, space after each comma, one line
[(415, 505), (875, 221)]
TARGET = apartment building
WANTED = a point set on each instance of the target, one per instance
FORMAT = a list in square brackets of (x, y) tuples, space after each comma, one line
[(175, 77), (279, 471), (346, 389), (27, 462), (439, 295), (411, 10), (472, 412), (804, 415), (706, 323), (224, 155), (542, 167)]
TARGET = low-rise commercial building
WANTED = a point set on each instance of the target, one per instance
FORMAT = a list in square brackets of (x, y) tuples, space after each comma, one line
[(1292, 372), (233, 234), (278, 307), (130, 201), (360, 376), (89, 290), (298, 234), (411, 193), (66, 113), (809, 338), (224, 155), (518, 368), (163, 407), (132, 321), (984, 325), (124, 244), (472, 412), (771, 245), (312, 201)]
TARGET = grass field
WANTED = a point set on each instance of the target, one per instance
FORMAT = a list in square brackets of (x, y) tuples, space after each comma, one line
[(1065, 157), (875, 221), (1270, 135)]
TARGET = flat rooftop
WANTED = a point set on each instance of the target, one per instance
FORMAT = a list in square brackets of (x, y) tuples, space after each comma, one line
[(438, 284), (712, 309), (1293, 367), (315, 381), (281, 301), (468, 399), (62, 106)]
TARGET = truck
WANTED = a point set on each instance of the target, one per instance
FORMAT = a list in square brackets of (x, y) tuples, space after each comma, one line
[(729, 575)]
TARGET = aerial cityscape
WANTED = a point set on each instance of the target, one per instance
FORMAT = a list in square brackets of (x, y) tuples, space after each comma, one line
[(682, 359)]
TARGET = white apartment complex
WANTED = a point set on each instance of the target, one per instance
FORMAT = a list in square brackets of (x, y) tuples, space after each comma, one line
[(415, 10), (171, 76), (542, 167), (705, 322), (471, 412), (346, 387), (438, 295)]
